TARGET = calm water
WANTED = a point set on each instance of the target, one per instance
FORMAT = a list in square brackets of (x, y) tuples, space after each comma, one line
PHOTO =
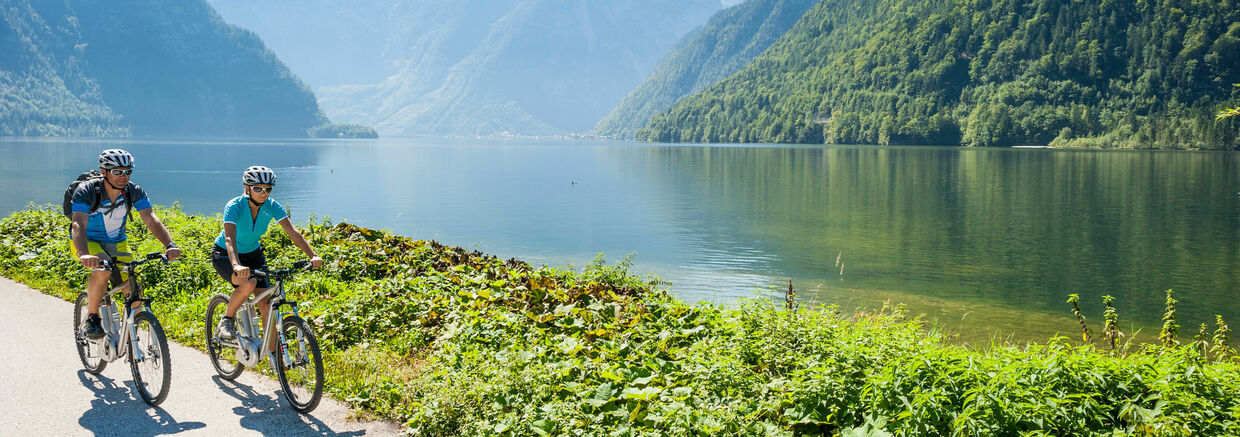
[(982, 241)]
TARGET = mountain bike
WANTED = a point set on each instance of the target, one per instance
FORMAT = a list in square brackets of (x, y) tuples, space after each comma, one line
[(129, 331), (296, 351)]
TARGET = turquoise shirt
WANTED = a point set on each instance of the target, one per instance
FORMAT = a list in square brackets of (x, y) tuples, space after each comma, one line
[(249, 230)]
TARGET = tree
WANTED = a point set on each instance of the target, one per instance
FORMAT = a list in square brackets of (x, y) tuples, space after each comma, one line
[(1229, 112)]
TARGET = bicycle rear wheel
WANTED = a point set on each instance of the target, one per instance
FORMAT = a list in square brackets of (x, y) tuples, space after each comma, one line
[(90, 359), (152, 373), (301, 372), (223, 357)]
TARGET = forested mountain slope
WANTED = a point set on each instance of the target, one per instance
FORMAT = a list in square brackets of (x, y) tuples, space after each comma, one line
[(146, 67), (727, 42), (981, 73), (43, 88)]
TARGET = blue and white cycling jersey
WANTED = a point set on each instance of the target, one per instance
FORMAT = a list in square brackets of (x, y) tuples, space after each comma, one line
[(249, 228), (107, 224)]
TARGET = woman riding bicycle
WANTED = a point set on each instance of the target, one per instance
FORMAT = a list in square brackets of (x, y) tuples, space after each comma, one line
[(237, 249)]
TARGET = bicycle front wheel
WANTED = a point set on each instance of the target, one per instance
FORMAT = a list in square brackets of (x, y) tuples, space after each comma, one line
[(90, 358), (223, 357), (299, 365), (149, 361)]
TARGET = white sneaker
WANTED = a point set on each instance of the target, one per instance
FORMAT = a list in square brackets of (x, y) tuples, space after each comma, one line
[(227, 330)]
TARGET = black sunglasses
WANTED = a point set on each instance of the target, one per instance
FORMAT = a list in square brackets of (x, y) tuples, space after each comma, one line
[(119, 172), (258, 189)]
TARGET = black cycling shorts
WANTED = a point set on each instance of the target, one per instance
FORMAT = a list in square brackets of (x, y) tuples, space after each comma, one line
[(253, 260)]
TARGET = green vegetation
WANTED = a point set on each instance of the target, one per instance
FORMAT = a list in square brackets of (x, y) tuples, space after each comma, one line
[(454, 342), (1229, 112), (729, 40), (340, 130), (1145, 74), (77, 68)]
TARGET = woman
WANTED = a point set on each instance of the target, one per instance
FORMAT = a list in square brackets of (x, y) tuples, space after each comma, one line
[(237, 249)]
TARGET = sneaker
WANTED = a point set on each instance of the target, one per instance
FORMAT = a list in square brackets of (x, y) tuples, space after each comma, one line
[(94, 327), (227, 329)]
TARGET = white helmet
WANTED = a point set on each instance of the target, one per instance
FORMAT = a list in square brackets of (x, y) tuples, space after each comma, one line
[(258, 175), (113, 158)]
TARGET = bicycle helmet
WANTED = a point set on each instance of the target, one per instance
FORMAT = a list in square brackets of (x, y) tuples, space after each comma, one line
[(258, 175), (113, 158)]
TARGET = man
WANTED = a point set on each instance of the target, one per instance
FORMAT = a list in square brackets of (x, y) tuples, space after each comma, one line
[(100, 210)]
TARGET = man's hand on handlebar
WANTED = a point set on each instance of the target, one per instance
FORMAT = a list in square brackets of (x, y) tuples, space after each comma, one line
[(89, 261)]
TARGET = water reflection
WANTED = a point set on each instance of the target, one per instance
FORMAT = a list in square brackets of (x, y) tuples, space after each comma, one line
[(981, 239), (999, 230)]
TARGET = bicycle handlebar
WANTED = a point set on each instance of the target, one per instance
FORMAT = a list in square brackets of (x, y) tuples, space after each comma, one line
[(107, 265), (280, 273)]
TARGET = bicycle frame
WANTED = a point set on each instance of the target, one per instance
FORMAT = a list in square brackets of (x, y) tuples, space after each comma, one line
[(120, 333), (299, 366), (254, 349)]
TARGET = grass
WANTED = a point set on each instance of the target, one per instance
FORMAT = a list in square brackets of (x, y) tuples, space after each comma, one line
[(456, 342)]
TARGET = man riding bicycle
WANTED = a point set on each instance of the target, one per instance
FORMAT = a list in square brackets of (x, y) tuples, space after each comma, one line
[(100, 210), (237, 249)]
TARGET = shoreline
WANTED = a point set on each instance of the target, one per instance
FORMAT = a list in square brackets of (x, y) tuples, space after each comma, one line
[(451, 341)]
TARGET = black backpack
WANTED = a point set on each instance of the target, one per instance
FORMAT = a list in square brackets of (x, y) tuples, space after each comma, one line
[(91, 177)]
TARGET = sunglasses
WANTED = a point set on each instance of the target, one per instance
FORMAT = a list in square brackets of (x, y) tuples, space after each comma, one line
[(258, 189), (118, 172)]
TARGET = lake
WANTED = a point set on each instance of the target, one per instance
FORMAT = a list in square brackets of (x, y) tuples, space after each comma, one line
[(984, 242)]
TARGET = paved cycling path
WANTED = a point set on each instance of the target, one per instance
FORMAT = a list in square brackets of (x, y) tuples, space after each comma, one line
[(44, 391)]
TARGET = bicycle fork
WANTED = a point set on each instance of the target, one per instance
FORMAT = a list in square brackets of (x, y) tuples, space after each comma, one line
[(138, 355)]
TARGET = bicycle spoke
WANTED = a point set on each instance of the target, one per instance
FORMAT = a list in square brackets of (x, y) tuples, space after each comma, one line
[(223, 356), (299, 365), (150, 363), (88, 353)]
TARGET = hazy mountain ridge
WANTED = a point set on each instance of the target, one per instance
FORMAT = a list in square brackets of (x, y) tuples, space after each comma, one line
[(726, 43), (327, 43), (538, 67), (985, 73), (145, 67)]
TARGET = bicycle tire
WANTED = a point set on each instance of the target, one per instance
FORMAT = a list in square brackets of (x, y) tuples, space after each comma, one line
[(223, 358), (302, 393), (93, 365), (155, 356)]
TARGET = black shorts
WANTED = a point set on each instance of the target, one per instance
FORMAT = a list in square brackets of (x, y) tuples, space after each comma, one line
[(253, 260)]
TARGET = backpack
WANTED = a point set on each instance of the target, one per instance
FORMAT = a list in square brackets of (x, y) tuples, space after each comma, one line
[(92, 177)]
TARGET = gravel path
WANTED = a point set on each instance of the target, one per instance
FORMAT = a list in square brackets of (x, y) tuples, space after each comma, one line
[(44, 391)]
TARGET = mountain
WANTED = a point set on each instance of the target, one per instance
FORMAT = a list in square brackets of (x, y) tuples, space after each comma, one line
[(326, 42), (981, 73), (142, 67), (44, 89), (528, 67), (729, 40)]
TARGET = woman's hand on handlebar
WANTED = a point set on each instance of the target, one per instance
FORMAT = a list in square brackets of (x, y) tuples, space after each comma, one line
[(316, 262), (242, 271)]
